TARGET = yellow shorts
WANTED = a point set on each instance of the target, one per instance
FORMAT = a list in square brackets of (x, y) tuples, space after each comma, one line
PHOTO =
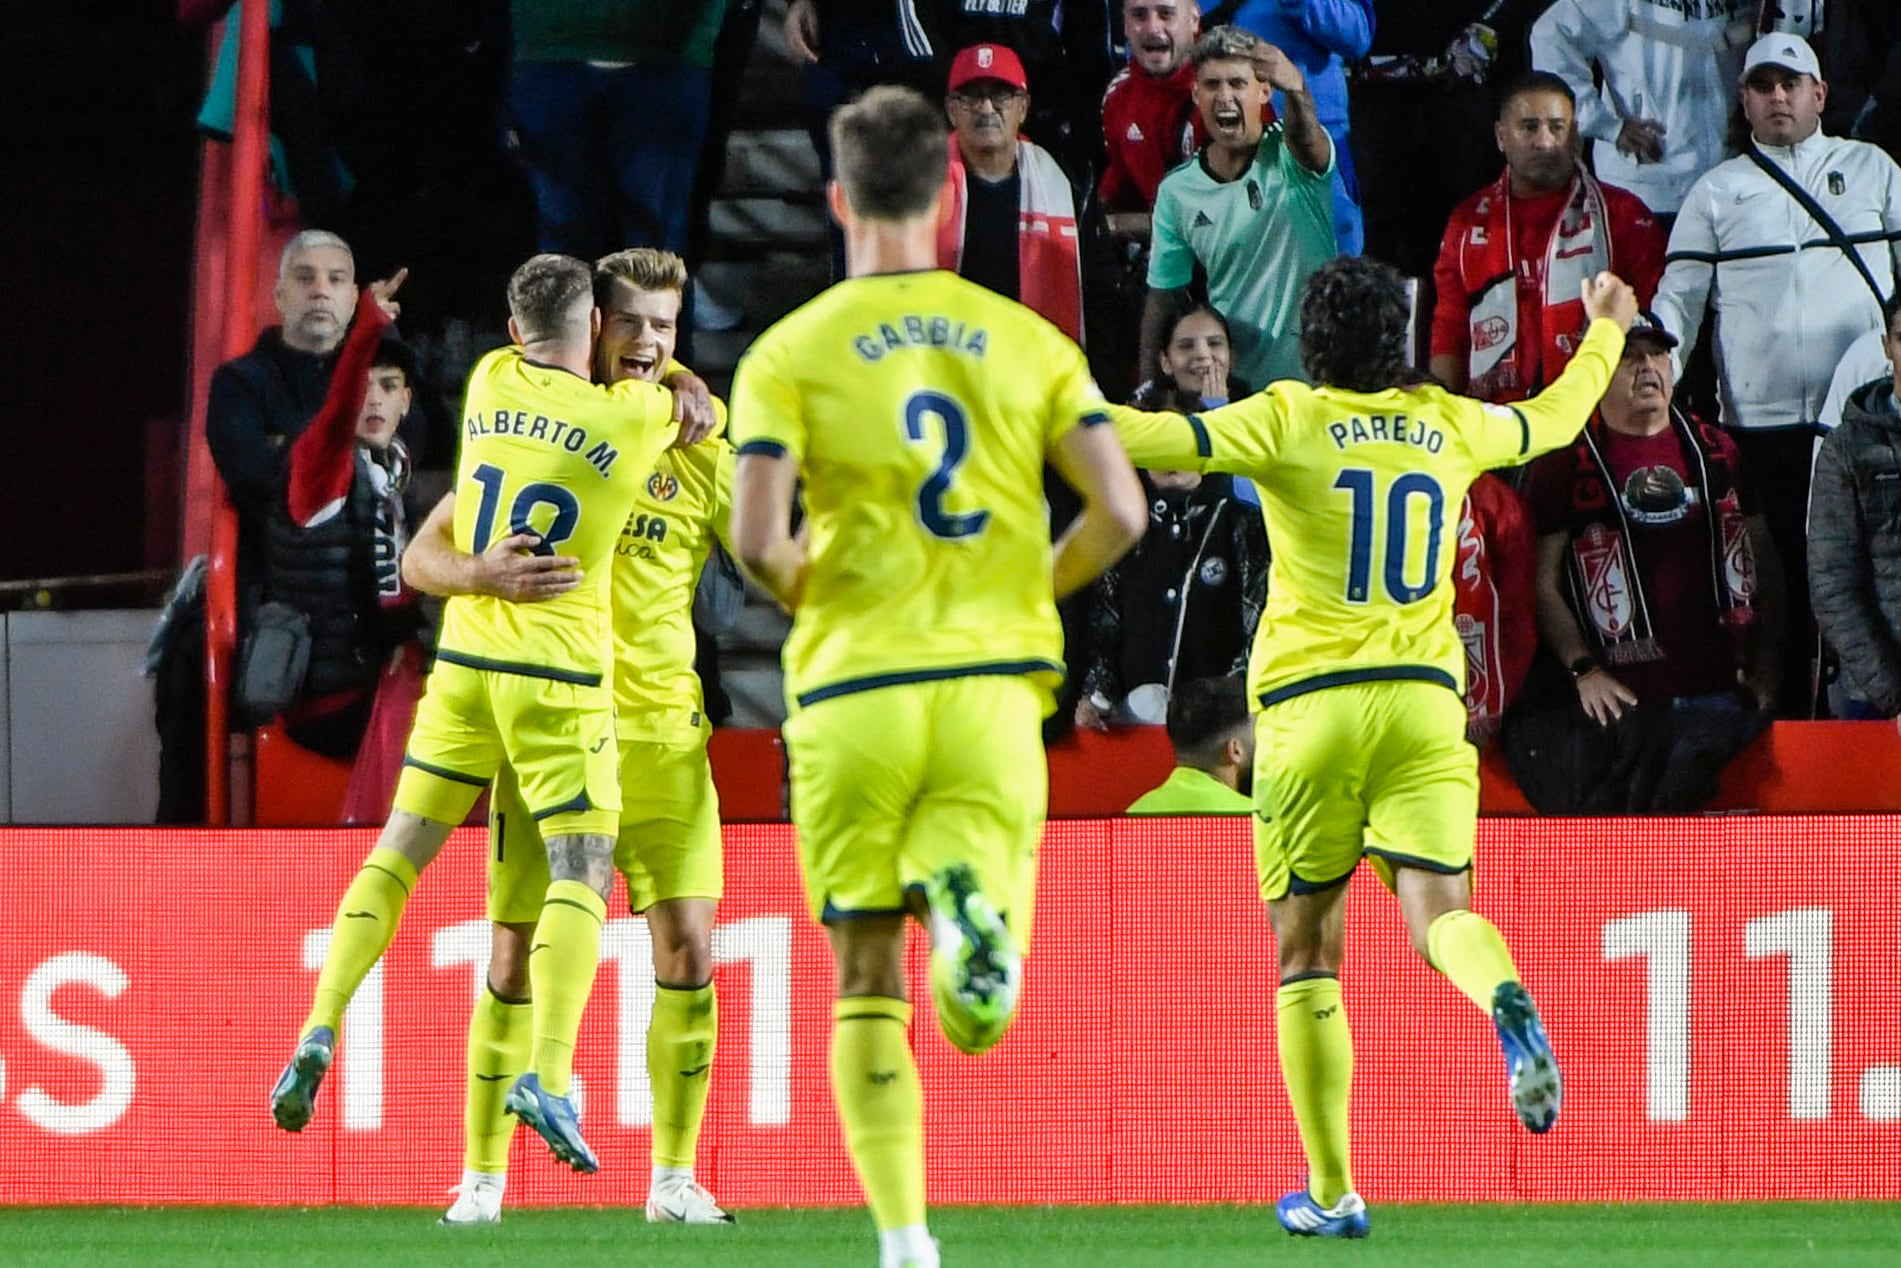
[(892, 784), (1379, 768), (669, 842), (558, 737)]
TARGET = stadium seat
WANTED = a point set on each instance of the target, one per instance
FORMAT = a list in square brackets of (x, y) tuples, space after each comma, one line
[(296, 788)]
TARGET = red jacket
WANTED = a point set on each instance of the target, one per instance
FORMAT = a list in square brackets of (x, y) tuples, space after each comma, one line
[(1471, 261), (1150, 127)]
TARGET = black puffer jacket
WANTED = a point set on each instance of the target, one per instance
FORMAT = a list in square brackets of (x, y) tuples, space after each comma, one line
[(1855, 545)]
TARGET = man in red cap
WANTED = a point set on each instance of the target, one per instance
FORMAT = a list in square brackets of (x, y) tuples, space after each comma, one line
[(1012, 227)]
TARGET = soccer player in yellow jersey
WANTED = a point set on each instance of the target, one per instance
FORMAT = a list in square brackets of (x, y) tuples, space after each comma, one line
[(1357, 674), (544, 450), (920, 409), (669, 843)]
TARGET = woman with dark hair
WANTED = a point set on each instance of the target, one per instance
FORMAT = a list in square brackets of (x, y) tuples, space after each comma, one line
[(1184, 602), (1193, 367)]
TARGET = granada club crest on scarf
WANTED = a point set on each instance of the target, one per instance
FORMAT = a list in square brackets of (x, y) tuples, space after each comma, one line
[(1607, 594), (1604, 572)]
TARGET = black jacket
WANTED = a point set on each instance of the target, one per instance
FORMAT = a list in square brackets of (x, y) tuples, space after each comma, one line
[(1184, 603), (337, 573), (259, 403), (1855, 545)]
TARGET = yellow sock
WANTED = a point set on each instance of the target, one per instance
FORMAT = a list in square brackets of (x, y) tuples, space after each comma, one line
[(562, 960), (1468, 949), (680, 1040), (1316, 1051), (365, 926), (880, 1105), (501, 1031)]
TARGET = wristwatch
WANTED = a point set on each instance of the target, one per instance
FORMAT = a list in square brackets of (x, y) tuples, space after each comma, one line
[(1582, 665)]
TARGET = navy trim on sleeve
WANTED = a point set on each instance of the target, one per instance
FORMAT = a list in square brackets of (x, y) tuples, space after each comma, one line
[(1204, 446), (1094, 418), (1524, 430), (765, 448)]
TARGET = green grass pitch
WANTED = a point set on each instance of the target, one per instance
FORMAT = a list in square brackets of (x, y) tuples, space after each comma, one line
[(1722, 1236)]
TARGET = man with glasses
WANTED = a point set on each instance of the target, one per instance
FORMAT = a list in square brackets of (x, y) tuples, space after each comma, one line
[(1012, 227)]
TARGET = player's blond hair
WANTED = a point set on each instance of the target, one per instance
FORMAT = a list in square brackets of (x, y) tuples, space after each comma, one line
[(643, 268), (545, 294), (892, 153)]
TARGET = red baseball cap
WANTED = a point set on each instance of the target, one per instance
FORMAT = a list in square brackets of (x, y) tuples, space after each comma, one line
[(988, 61)]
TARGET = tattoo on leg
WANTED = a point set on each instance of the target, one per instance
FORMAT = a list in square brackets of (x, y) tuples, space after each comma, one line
[(585, 857)]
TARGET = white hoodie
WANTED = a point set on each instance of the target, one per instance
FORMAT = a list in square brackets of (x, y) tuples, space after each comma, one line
[(1788, 303), (1675, 61)]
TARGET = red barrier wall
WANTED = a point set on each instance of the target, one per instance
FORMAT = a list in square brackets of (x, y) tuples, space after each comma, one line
[(1720, 991)]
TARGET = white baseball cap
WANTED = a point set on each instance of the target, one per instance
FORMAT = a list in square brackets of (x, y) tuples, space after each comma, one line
[(1791, 52)]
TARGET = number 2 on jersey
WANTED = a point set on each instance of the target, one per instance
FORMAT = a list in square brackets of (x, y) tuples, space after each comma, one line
[(1359, 483), (919, 408), (567, 510)]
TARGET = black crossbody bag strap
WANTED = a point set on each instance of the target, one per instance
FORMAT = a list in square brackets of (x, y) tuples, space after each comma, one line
[(1836, 237)]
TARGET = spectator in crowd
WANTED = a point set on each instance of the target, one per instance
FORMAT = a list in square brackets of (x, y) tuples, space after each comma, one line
[(609, 105), (1422, 115), (1865, 361), (1794, 243), (1508, 317), (1184, 603), (1012, 223), (1064, 46), (1319, 36), (1212, 733), (847, 46), (1659, 592), (1855, 542), (1148, 114), (1859, 43), (1494, 601), (1194, 368), (337, 532), (1254, 210), (1656, 118), (263, 400)]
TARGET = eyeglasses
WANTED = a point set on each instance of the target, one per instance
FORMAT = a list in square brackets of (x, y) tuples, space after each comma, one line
[(999, 98)]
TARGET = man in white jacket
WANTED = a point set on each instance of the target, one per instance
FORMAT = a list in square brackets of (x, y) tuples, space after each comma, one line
[(1657, 119), (1789, 297)]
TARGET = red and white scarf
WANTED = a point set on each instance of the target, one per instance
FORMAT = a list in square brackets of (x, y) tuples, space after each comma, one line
[(1506, 363), (1049, 262)]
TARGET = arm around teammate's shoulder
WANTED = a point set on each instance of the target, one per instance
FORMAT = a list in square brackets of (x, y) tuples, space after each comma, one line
[(1115, 510)]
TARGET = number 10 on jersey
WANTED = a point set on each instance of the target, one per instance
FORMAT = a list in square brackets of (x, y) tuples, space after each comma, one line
[(1393, 526)]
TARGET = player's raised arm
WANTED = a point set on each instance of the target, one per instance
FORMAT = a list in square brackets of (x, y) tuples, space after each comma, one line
[(507, 570), (1115, 510), (1553, 418)]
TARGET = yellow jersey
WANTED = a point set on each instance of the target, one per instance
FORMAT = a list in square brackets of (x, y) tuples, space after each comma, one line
[(546, 451), (919, 407), (685, 503), (1361, 492)]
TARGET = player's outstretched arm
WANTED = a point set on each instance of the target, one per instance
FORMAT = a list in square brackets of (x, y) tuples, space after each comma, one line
[(1115, 510), (1553, 418), (763, 486), (506, 570)]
